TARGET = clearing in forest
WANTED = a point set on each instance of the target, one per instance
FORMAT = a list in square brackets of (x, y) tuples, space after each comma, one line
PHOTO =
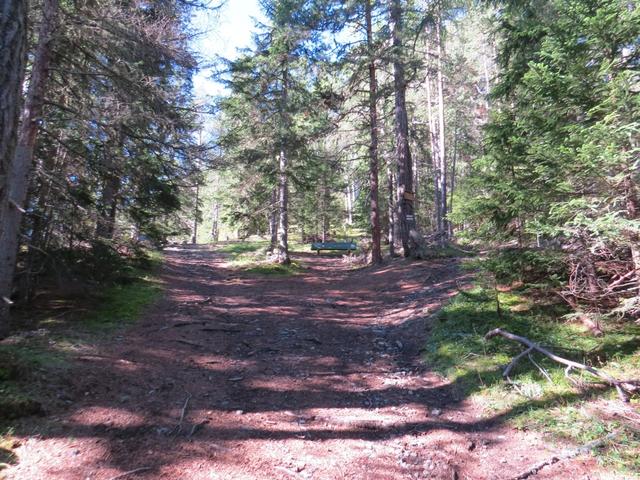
[(316, 375)]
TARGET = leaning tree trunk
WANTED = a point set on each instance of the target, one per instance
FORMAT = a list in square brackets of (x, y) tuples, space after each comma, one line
[(17, 168), (376, 251), (405, 194)]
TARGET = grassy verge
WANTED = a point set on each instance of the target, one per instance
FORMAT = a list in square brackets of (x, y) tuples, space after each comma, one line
[(448, 251), (250, 257), (556, 406), (28, 361)]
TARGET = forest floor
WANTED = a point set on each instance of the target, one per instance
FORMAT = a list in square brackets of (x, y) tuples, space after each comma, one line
[(317, 375)]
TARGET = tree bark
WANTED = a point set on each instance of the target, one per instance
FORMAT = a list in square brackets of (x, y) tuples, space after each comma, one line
[(406, 217), (53, 158), (273, 220), (108, 208), (22, 161), (324, 223), (453, 176), (442, 158), (633, 211), (376, 251), (194, 239), (283, 206), (435, 158), (283, 175), (391, 211), (349, 199), (215, 218), (13, 38)]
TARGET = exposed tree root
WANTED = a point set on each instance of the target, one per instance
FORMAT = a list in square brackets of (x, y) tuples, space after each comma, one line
[(130, 472), (586, 448)]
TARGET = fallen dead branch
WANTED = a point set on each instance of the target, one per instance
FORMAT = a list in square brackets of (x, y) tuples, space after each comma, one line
[(624, 387), (586, 448), (183, 413), (192, 344), (131, 472), (186, 324), (224, 330)]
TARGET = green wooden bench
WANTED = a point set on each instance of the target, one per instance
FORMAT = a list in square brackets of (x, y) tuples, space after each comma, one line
[(349, 246)]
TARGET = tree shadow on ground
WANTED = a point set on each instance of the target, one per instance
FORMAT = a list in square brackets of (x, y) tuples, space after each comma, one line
[(226, 359)]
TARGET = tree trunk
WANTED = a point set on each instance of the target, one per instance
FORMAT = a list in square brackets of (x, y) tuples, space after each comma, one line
[(633, 211), (453, 176), (194, 239), (53, 158), (487, 84), (273, 220), (405, 194), (435, 158), (13, 38), (349, 199), (376, 251), (283, 205), (442, 160), (283, 174), (215, 219), (322, 201), (107, 210), (20, 164), (391, 211)]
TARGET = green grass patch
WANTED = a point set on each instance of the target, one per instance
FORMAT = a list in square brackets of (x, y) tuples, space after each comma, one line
[(251, 257), (457, 350), (268, 268), (121, 305), (238, 248), (447, 251)]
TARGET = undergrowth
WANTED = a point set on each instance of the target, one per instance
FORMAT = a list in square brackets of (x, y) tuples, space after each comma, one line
[(457, 350), (30, 359)]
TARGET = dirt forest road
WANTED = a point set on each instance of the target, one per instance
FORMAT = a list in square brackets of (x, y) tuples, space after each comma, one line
[(312, 376)]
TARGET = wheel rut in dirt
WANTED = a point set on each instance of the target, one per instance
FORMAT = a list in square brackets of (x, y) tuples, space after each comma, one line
[(237, 376)]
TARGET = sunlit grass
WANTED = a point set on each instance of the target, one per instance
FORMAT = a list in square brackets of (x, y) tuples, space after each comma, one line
[(269, 268), (251, 257)]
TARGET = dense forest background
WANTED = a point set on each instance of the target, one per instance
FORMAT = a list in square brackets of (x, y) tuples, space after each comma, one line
[(506, 126)]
